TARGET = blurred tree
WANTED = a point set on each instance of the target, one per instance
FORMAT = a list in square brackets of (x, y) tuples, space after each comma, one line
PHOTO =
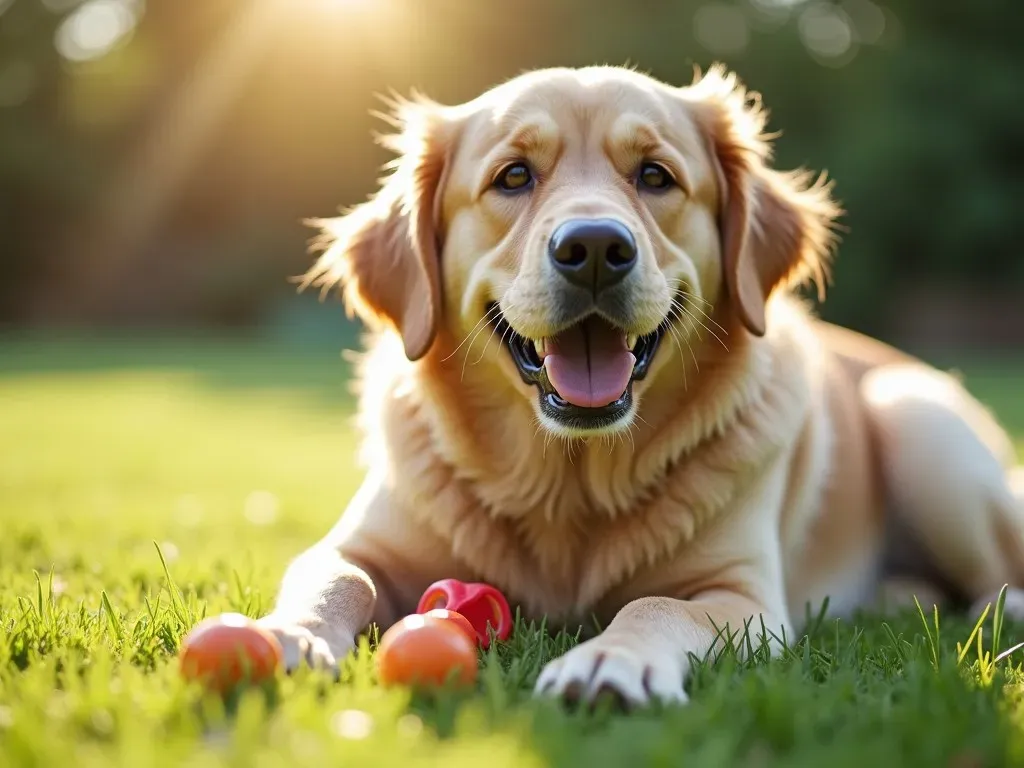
[(914, 109), (44, 174)]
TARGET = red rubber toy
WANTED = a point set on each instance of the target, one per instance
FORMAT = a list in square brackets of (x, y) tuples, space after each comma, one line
[(481, 604)]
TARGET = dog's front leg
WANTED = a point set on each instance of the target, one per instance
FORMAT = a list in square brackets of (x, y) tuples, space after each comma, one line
[(729, 581), (644, 653), (323, 603), (372, 566)]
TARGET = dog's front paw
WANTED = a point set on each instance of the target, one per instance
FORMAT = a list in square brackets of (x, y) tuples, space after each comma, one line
[(317, 649), (629, 670)]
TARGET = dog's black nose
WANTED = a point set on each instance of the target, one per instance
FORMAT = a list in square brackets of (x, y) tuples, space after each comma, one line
[(592, 253)]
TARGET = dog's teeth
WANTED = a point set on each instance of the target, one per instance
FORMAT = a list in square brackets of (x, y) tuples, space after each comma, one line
[(632, 340), (538, 348)]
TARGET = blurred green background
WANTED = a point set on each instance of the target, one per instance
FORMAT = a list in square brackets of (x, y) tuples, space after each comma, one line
[(157, 156)]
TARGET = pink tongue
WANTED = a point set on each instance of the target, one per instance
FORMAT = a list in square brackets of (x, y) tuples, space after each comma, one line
[(589, 365)]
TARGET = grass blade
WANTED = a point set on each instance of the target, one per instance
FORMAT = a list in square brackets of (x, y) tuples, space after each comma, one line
[(977, 628), (114, 621), (177, 602), (997, 619), (932, 639)]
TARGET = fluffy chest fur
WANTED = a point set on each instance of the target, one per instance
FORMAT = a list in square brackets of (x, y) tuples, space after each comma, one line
[(562, 526)]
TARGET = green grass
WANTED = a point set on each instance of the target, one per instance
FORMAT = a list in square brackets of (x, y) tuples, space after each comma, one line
[(233, 456)]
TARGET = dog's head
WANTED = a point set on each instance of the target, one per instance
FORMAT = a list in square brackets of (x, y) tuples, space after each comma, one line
[(581, 216)]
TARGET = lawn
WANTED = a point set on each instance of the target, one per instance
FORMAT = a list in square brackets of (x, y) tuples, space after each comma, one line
[(231, 456)]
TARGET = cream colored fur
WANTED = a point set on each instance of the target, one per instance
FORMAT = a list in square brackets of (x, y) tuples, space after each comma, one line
[(767, 453)]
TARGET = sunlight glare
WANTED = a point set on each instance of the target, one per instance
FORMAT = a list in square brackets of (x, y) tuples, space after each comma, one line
[(340, 3), (341, 7), (94, 28)]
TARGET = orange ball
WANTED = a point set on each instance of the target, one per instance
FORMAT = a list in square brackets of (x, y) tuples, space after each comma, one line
[(456, 618), (426, 650), (223, 651)]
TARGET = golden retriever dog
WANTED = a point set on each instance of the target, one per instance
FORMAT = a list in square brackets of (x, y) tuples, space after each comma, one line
[(591, 385)]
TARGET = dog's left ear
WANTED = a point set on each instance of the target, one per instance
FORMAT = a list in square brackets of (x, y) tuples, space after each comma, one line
[(386, 252), (776, 228)]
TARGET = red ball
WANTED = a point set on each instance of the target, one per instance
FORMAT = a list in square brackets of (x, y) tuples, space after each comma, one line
[(426, 650), (457, 619), (224, 651)]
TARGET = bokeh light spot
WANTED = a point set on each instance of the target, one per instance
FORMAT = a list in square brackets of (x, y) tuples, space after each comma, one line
[(94, 28), (352, 724), (868, 20), (827, 33), (261, 508)]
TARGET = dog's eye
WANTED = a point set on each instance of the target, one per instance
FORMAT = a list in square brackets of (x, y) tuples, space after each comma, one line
[(514, 178), (654, 176)]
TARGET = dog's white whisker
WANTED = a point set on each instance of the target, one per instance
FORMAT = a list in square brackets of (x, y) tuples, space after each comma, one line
[(689, 306), (681, 284), (495, 309), (629, 433), (683, 309), (486, 317), (682, 357), (488, 343), (696, 365), (689, 296)]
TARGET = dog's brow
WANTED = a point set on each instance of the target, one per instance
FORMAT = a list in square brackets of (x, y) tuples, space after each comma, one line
[(631, 135), (533, 136), (640, 138)]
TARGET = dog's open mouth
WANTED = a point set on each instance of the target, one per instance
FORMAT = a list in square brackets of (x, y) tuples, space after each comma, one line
[(585, 373)]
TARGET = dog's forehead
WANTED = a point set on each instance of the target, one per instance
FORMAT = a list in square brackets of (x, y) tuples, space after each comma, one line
[(570, 104), (567, 97), (577, 87)]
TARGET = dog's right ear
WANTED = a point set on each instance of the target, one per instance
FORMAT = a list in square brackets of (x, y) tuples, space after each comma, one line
[(385, 253)]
